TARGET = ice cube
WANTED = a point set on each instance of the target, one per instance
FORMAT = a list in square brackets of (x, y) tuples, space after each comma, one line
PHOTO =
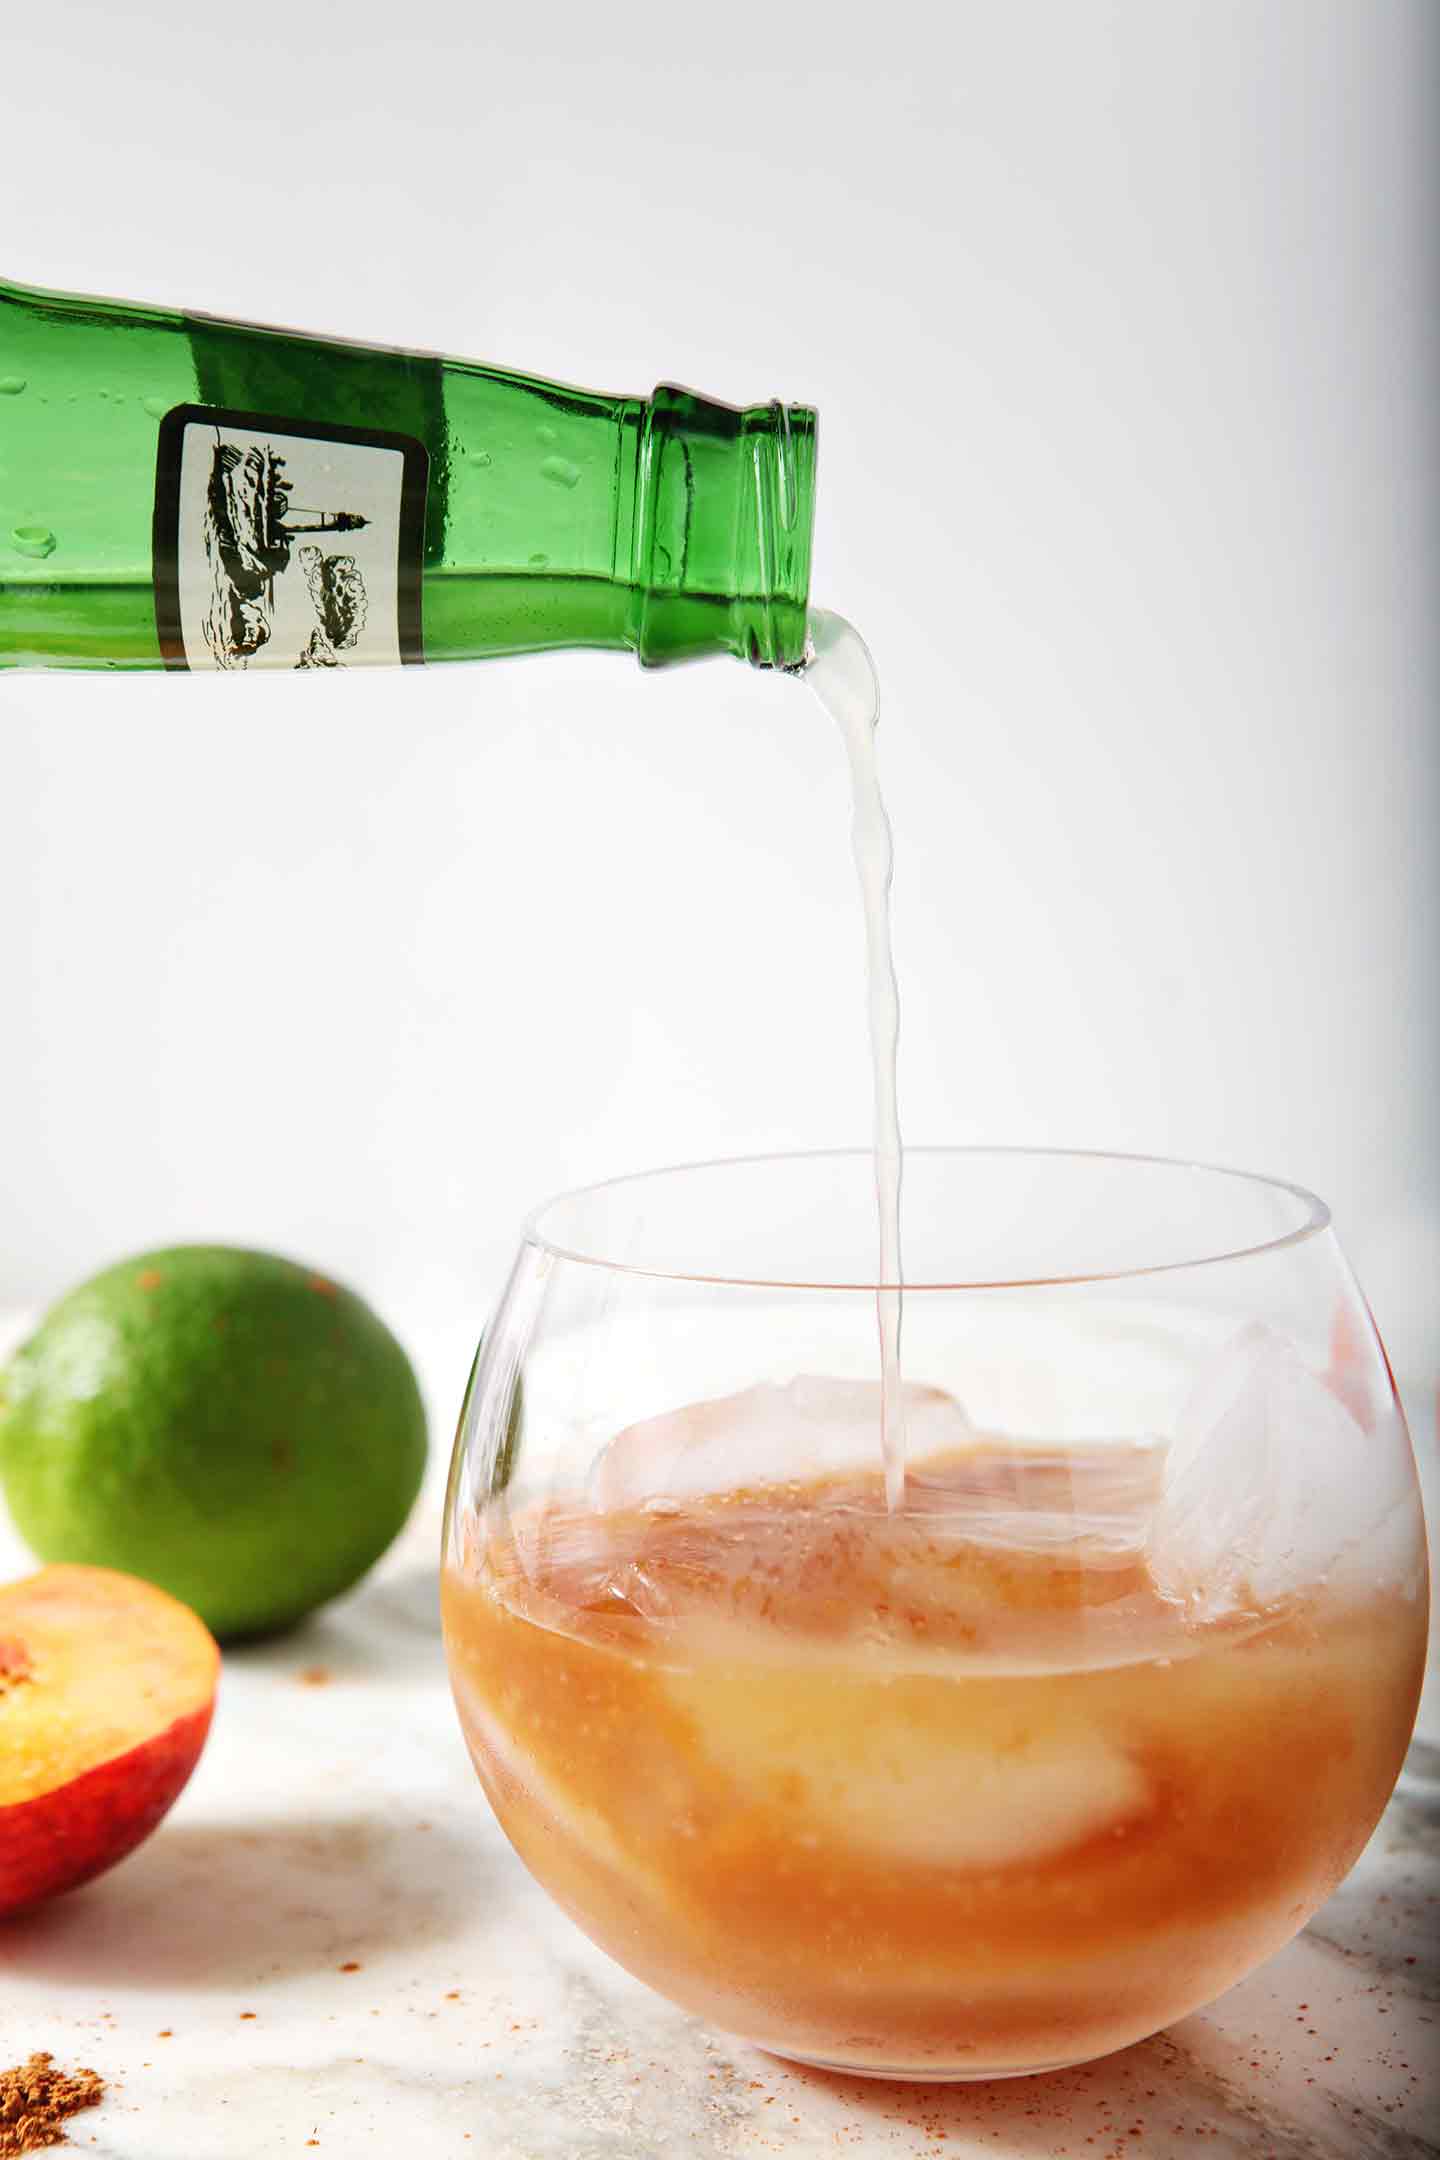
[(1272, 1486), (1011, 1778), (1042, 1495), (969, 1809), (769, 1435)]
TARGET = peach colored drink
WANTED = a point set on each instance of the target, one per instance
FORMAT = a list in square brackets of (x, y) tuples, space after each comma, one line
[(893, 1799)]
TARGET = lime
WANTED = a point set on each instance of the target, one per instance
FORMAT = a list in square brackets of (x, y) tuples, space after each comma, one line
[(234, 1427)]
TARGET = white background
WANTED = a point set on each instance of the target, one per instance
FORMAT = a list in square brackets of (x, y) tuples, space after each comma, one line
[(1120, 315)]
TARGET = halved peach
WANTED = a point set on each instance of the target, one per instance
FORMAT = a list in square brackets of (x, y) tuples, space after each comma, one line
[(106, 1691)]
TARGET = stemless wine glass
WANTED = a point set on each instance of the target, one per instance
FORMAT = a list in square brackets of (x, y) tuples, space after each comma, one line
[(1016, 1772)]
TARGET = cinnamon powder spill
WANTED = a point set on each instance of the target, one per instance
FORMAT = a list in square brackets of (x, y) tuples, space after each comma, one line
[(37, 2100)]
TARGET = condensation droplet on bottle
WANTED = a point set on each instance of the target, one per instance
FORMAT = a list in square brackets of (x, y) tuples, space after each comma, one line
[(157, 407), (546, 435), (11, 385), (478, 457), (538, 562), (34, 540), (561, 471)]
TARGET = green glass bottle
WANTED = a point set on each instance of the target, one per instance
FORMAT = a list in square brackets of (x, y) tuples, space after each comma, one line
[(181, 491)]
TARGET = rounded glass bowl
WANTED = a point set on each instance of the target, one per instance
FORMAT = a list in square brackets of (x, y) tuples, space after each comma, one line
[(1015, 1772)]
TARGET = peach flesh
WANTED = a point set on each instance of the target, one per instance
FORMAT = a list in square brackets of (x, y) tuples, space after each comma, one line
[(107, 1686)]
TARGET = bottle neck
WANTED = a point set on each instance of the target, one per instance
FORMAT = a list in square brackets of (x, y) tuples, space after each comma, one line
[(719, 542), (673, 526)]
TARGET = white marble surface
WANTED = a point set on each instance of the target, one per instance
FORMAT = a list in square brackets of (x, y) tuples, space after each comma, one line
[(336, 1822)]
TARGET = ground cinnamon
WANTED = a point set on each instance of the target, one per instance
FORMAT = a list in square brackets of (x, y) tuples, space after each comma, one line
[(36, 2101)]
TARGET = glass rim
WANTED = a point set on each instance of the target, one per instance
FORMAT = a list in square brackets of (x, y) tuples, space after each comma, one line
[(1316, 1219)]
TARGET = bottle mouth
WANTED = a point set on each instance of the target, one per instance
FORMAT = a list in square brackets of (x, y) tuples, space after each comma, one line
[(783, 454), (722, 529)]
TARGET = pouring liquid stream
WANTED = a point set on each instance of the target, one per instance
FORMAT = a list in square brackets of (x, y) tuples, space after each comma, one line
[(842, 676)]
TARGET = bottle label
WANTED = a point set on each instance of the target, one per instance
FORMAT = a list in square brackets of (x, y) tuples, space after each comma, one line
[(286, 544)]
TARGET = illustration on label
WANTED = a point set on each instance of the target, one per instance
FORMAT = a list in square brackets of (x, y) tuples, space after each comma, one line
[(283, 543)]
